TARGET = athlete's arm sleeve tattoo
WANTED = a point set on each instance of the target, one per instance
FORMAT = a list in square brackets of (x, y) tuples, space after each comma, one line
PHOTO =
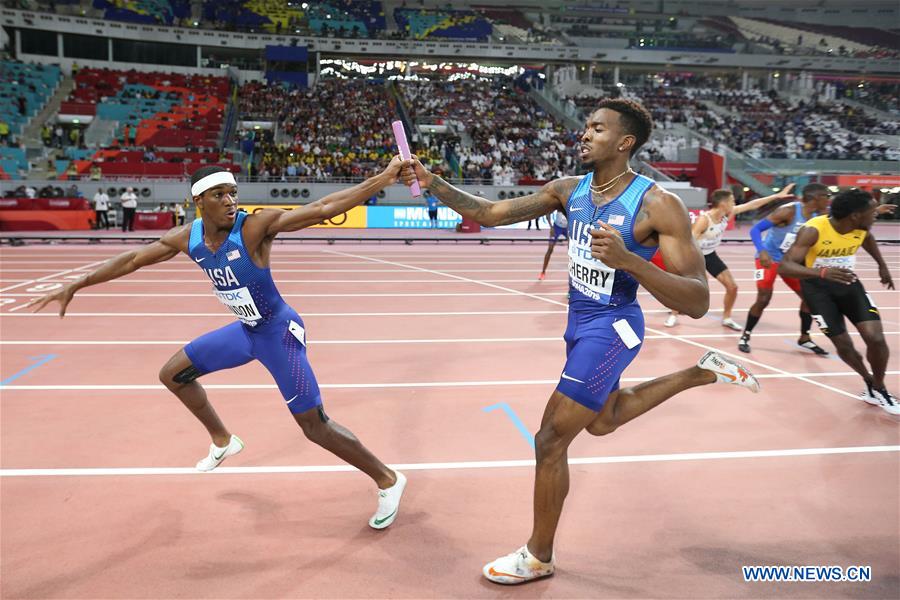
[(503, 212)]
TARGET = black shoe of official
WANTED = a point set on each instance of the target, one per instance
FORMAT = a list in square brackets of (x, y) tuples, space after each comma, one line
[(744, 344)]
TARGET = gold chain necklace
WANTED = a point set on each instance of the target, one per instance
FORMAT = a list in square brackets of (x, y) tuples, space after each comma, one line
[(601, 189)]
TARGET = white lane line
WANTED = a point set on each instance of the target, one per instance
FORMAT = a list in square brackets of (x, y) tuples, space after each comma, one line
[(446, 466), (358, 314), (743, 359), (365, 295), (314, 342), (54, 275), (374, 386), (280, 281), (385, 314)]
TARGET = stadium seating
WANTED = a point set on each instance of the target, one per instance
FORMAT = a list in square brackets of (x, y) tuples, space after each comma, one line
[(463, 24), (24, 90), (150, 12)]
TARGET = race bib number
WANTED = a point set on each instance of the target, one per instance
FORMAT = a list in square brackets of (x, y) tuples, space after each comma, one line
[(241, 303), (760, 274), (787, 242), (838, 262), (592, 278)]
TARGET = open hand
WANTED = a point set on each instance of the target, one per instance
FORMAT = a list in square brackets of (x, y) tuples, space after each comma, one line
[(885, 277), (63, 295), (786, 191)]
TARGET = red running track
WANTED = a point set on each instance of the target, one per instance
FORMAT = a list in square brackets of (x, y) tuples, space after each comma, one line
[(411, 345)]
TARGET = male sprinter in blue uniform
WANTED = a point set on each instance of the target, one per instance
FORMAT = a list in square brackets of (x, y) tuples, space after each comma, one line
[(783, 225), (558, 229), (616, 221), (233, 250)]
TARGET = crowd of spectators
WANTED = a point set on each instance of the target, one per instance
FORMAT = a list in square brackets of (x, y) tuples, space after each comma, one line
[(765, 125), (339, 128), (883, 96), (762, 124), (512, 138)]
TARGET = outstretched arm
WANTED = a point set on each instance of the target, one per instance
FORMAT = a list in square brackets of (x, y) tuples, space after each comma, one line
[(270, 222), (169, 245), (870, 244), (683, 286), (784, 194), (551, 197)]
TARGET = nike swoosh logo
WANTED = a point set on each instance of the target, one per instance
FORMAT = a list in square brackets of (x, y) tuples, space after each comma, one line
[(200, 260), (576, 208), (496, 573), (564, 376), (292, 399), (380, 521), (219, 457)]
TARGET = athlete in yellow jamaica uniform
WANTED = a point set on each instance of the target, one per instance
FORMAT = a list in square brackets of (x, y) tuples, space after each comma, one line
[(823, 258)]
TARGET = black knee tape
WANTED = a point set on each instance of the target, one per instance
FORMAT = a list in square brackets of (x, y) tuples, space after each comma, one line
[(322, 416), (187, 375)]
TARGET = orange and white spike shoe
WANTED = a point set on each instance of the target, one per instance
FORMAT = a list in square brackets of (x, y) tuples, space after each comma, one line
[(728, 371), (519, 567)]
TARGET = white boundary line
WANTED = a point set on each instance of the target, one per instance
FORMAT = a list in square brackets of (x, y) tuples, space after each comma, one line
[(374, 386), (497, 313), (367, 295), (356, 314), (742, 359), (446, 466), (500, 340), (280, 281), (51, 276)]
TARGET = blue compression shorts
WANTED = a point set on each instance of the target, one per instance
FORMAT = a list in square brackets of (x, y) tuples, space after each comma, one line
[(277, 345), (599, 347)]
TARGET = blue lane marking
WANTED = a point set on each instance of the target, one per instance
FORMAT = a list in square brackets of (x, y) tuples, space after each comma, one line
[(506, 408), (41, 360)]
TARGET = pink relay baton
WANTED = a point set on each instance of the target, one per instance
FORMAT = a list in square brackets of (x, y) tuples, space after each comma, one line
[(403, 145)]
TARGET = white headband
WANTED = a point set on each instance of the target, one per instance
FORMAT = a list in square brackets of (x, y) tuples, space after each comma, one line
[(211, 181)]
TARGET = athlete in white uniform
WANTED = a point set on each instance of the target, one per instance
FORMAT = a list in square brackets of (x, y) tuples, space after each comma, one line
[(708, 230)]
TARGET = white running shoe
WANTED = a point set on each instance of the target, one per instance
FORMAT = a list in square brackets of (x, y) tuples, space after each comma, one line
[(388, 503), (518, 567), (888, 403), (732, 324), (672, 321), (217, 455), (728, 371), (868, 398)]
